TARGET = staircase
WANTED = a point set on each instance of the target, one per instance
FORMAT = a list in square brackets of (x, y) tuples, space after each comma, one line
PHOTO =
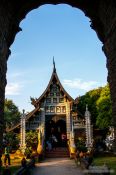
[(60, 152)]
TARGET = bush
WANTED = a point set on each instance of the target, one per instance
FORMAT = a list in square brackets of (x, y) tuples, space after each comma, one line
[(80, 144)]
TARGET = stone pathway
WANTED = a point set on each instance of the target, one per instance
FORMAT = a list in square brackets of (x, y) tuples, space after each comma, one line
[(57, 166)]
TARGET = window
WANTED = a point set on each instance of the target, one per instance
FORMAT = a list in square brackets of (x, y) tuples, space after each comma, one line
[(48, 100), (61, 100), (47, 109), (58, 94), (52, 109), (63, 109), (51, 94), (54, 89), (54, 100), (58, 109), (54, 94)]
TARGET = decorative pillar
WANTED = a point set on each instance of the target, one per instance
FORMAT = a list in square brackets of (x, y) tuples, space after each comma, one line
[(88, 128), (22, 132), (68, 120)]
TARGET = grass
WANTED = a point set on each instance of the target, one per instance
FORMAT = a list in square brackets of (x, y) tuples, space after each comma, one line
[(109, 161)]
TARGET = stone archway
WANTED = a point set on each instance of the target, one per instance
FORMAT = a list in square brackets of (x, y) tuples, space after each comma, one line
[(102, 14)]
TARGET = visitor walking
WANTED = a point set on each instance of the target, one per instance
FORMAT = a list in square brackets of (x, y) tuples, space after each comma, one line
[(54, 141), (23, 162), (49, 145), (64, 139), (7, 154)]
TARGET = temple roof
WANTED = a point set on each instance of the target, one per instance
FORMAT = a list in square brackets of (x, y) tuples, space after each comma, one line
[(30, 114), (54, 76)]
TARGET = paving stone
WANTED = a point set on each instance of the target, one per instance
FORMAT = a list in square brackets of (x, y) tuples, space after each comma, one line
[(57, 166)]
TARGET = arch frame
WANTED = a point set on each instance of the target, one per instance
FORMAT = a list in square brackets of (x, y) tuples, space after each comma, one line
[(102, 15)]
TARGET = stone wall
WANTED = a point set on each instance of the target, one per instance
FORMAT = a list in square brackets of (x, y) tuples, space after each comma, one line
[(4, 54)]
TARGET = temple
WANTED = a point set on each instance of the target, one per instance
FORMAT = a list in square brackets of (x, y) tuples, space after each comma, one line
[(54, 111)]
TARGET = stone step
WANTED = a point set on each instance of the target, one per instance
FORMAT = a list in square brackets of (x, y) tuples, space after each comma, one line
[(58, 152)]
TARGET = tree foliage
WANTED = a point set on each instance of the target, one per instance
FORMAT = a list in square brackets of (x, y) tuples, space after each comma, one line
[(31, 142), (99, 104), (90, 99), (104, 109), (12, 138), (12, 114), (31, 139)]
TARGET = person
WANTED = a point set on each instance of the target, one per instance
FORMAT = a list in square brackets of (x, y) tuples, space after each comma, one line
[(7, 154), (49, 145), (23, 162), (63, 138), (54, 141), (6, 171)]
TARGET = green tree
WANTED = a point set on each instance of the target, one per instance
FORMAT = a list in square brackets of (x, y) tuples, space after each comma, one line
[(12, 114), (31, 142), (13, 139), (104, 109), (99, 104), (90, 98)]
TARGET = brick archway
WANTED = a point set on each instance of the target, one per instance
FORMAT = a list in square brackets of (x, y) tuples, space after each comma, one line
[(102, 14)]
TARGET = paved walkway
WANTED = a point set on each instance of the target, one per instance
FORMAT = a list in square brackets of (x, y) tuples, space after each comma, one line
[(57, 166)]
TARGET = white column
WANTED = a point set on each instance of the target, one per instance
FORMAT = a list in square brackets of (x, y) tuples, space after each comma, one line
[(88, 127), (22, 132), (68, 120)]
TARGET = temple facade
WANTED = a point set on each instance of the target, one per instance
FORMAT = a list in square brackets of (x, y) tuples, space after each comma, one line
[(53, 109)]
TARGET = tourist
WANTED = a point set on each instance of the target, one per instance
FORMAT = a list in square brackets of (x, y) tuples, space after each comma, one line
[(54, 141), (23, 162), (63, 138), (7, 154), (49, 145)]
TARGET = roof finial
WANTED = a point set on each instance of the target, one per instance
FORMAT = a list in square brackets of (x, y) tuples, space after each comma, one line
[(54, 68)]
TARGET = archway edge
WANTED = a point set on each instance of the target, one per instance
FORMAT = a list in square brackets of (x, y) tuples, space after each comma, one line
[(21, 8)]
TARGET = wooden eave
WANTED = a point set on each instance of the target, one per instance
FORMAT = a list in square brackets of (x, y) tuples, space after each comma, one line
[(28, 116)]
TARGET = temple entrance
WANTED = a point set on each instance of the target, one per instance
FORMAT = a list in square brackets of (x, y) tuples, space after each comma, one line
[(58, 129)]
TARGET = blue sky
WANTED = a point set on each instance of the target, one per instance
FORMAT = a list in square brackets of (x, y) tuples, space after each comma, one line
[(63, 32)]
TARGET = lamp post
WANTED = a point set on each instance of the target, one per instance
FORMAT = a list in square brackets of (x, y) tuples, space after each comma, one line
[(22, 132)]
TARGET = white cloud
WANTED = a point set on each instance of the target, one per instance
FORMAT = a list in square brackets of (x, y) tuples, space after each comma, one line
[(13, 89), (79, 84)]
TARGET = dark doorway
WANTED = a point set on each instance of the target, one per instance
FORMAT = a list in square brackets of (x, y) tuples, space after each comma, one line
[(61, 130), (58, 129), (50, 128)]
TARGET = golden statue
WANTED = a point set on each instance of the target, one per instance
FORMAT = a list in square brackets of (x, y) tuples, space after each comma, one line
[(40, 146)]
